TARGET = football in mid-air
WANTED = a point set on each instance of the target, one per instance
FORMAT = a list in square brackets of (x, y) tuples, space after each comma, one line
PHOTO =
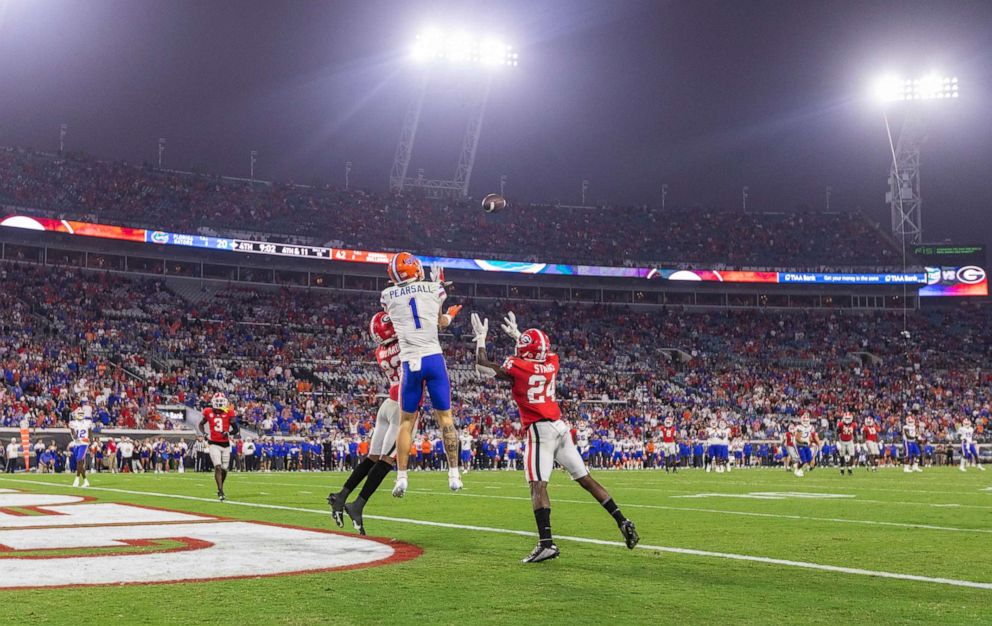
[(493, 202)]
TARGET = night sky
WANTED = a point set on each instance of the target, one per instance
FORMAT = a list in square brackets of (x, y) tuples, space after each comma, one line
[(704, 96)]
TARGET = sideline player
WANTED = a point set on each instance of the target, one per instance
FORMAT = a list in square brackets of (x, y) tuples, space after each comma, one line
[(804, 437), (723, 447), (533, 370), (80, 425), (382, 450), (791, 458), (870, 433), (910, 439), (845, 443), (414, 306), (669, 446), (969, 451), (221, 425)]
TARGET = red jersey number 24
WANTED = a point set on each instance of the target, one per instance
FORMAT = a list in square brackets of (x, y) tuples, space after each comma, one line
[(540, 389)]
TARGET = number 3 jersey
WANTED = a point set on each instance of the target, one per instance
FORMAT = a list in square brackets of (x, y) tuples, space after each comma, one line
[(534, 388), (414, 309), (219, 425)]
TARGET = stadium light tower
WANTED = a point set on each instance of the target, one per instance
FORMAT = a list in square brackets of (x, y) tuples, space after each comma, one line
[(915, 97), (432, 47)]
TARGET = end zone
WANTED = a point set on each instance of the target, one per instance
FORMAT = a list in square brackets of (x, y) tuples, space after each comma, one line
[(43, 551)]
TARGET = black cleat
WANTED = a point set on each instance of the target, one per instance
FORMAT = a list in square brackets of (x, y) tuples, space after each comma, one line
[(220, 495), (355, 513), (540, 553), (629, 532), (337, 508)]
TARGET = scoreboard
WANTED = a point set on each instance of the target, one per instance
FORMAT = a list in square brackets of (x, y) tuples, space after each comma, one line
[(947, 254)]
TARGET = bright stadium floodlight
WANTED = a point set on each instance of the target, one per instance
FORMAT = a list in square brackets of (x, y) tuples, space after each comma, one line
[(459, 46), (475, 57), (929, 87), (906, 96)]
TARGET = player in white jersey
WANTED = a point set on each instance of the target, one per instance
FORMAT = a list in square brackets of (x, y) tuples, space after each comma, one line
[(582, 440), (712, 445), (969, 451), (80, 426), (911, 443), (804, 439), (723, 436), (415, 307), (466, 442), (512, 453)]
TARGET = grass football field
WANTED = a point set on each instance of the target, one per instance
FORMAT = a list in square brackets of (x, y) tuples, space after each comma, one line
[(753, 546)]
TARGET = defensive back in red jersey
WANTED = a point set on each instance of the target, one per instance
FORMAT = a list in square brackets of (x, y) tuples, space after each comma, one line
[(846, 431), (668, 434), (534, 388), (218, 425), (870, 432), (387, 355)]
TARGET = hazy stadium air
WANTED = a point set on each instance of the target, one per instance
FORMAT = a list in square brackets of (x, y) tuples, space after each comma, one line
[(706, 97)]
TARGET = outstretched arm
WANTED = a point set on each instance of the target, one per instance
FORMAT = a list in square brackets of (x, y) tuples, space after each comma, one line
[(482, 363), (444, 319)]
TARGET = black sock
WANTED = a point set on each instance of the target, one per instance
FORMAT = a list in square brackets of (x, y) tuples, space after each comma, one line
[(543, 517), (357, 475), (612, 508), (378, 473)]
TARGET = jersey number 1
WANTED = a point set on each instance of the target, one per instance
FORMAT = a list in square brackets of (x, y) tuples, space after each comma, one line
[(540, 389), (413, 309)]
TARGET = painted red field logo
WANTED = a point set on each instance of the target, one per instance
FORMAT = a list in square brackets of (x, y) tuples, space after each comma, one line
[(49, 540)]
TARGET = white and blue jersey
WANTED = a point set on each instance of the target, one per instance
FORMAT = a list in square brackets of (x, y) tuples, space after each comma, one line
[(910, 439), (804, 436), (968, 447), (415, 309), (80, 429), (466, 448)]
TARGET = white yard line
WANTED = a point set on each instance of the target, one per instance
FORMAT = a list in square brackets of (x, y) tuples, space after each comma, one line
[(602, 542), (627, 505), (267, 479)]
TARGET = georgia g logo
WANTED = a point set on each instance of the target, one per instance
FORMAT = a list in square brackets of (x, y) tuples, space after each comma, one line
[(971, 275), (62, 536)]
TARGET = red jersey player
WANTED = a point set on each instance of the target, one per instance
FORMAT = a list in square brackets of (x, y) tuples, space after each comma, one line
[(669, 447), (870, 433), (219, 419), (533, 371), (846, 431), (382, 449)]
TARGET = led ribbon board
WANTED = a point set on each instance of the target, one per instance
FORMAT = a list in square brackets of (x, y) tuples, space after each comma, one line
[(947, 281)]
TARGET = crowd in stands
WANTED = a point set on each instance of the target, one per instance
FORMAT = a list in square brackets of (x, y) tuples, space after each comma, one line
[(297, 363), (118, 193)]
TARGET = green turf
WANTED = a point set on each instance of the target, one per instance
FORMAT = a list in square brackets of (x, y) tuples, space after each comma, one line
[(471, 576)]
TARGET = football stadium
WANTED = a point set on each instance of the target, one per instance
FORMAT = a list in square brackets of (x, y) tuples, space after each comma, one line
[(454, 313)]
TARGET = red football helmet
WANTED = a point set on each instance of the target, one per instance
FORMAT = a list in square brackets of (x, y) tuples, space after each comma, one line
[(381, 328), (533, 345), (404, 267)]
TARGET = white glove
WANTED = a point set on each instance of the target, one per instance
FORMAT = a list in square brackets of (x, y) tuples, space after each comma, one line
[(481, 328), (437, 273), (509, 326)]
